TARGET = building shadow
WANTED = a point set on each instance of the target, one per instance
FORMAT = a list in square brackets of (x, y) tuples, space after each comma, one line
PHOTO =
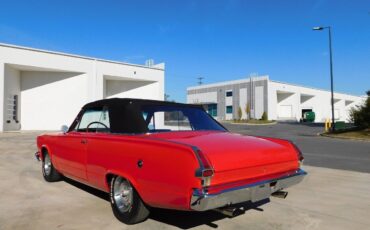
[(179, 219)]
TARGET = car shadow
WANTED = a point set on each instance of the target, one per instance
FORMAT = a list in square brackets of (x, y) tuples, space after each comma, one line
[(179, 219), (187, 220), (93, 191)]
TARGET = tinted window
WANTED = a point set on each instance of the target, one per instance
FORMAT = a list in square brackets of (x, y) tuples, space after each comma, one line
[(212, 110), (229, 93), (229, 109)]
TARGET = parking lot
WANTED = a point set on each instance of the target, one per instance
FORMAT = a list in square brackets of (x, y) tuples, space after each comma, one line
[(334, 195), (318, 151)]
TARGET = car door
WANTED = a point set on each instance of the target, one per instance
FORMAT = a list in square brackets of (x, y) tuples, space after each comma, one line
[(97, 145), (73, 149), (70, 155)]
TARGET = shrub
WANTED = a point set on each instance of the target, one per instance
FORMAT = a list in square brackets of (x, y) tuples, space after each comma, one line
[(240, 113), (361, 114), (264, 116), (248, 111)]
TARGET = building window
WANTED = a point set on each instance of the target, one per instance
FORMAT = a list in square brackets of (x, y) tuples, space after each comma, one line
[(229, 109), (212, 110), (229, 93)]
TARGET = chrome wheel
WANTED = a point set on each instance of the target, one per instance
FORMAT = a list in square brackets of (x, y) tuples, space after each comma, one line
[(47, 165), (122, 194)]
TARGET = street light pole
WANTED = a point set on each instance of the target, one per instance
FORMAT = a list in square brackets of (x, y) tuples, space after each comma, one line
[(331, 76), (331, 83)]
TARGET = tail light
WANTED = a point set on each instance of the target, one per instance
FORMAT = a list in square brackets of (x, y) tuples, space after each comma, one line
[(205, 172), (299, 153)]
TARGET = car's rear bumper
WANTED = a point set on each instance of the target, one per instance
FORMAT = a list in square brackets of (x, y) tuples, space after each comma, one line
[(202, 200)]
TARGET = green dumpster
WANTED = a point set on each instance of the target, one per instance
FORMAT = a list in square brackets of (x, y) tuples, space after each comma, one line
[(340, 125), (309, 117)]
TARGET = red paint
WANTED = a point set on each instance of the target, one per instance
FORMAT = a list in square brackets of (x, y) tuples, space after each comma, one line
[(167, 176)]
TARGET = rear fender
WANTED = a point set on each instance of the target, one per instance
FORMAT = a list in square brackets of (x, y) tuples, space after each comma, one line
[(123, 175)]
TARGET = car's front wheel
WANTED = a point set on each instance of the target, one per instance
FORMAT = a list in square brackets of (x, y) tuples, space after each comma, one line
[(126, 203), (48, 171)]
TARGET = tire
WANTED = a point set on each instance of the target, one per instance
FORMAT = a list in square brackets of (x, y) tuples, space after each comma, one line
[(126, 203), (48, 171)]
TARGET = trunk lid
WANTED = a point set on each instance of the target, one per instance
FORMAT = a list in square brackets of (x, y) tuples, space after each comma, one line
[(235, 157)]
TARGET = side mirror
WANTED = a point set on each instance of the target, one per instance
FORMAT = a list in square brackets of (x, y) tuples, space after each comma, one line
[(64, 129)]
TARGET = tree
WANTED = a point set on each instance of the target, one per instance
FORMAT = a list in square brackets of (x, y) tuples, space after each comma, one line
[(360, 115), (240, 113), (248, 111), (264, 116)]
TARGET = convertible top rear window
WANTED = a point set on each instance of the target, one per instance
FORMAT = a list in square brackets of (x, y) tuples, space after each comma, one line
[(174, 118)]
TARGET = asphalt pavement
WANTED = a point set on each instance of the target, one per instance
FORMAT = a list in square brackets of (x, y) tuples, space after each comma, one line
[(318, 151)]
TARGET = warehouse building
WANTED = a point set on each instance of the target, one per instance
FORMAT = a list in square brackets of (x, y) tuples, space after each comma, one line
[(280, 101), (43, 90)]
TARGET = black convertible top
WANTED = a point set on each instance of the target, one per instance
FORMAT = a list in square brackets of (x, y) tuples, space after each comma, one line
[(125, 114), (133, 101)]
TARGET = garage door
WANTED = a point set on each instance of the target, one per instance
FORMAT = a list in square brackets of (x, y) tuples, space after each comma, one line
[(285, 111), (336, 114)]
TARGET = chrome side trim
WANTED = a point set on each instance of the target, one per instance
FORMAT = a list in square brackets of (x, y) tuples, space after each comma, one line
[(201, 200)]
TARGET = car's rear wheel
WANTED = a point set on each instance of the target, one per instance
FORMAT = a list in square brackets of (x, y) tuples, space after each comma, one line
[(48, 171), (126, 203)]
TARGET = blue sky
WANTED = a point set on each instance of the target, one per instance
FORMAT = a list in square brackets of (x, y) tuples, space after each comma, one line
[(218, 40)]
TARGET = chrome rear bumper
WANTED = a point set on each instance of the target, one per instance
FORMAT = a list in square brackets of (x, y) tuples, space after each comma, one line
[(201, 200)]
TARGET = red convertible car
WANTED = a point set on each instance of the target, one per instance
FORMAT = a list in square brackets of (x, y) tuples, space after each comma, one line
[(169, 155)]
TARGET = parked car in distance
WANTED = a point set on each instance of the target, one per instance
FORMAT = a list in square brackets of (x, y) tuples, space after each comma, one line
[(169, 155)]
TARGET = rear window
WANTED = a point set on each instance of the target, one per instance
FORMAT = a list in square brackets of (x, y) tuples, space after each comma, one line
[(176, 118)]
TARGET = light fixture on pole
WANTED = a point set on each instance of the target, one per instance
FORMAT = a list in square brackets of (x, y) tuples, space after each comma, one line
[(331, 74)]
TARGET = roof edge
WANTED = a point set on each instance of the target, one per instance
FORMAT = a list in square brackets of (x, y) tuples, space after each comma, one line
[(256, 78), (314, 88), (77, 56)]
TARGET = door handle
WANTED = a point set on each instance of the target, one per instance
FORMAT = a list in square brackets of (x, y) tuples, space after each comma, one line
[(83, 141)]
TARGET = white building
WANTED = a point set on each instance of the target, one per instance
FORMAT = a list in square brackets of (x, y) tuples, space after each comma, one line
[(43, 90), (281, 101)]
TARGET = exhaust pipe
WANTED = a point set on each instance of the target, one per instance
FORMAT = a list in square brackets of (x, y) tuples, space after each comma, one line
[(280, 194), (230, 211), (38, 156)]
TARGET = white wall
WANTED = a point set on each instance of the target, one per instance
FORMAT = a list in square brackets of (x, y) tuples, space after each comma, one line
[(287, 100), (13, 87), (132, 89), (2, 93), (243, 101), (54, 86), (259, 99), (51, 99), (320, 102), (229, 100), (210, 97), (113, 71)]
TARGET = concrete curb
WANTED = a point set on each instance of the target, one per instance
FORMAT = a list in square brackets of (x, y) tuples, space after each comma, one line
[(235, 123), (345, 138)]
